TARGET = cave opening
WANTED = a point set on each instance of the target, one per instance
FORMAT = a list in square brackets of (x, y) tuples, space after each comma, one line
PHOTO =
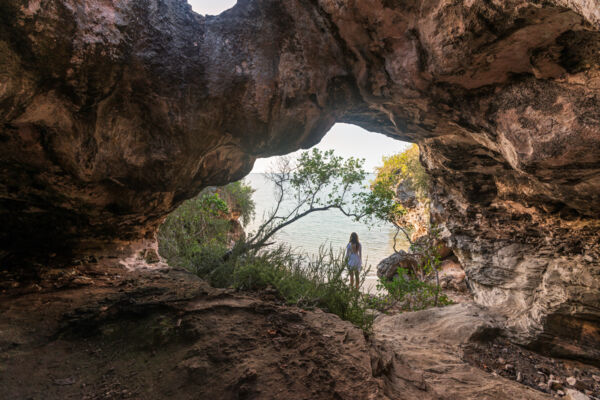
[(332, 227), (211, 7), (348, 140), (114, 113)]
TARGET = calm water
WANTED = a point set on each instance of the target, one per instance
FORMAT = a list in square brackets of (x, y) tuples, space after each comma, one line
[(325, 228)]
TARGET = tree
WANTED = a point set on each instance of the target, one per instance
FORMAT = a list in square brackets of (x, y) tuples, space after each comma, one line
[(317, 181), (381, 203), (200, 227), (404, 170)]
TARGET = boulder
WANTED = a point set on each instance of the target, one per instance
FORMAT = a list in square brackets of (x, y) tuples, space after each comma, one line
[(428, 346), (388, 267)]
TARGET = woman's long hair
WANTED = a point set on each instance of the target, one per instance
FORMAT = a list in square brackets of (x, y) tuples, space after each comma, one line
[(354, 242)]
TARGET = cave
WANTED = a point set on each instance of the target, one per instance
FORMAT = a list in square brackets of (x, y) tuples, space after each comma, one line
[(113, 113)]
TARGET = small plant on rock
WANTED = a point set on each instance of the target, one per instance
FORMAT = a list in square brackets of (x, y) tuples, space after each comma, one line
[(407, 293)]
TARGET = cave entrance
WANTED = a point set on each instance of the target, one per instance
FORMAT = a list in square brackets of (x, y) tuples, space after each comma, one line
[(351, 141), (211, 7), (332, 227)]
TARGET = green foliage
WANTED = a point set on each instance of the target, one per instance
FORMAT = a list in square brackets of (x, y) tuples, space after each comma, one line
[(427, 248), (238, 196), (195, 236), (403, 168), (380, 203), (316, 282), (196, 223), (198, 229), (318, 181), (407, 293), (411, 290), (318, 170)]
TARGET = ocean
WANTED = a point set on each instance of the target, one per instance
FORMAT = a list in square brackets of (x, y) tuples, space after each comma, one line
[(326, 228)]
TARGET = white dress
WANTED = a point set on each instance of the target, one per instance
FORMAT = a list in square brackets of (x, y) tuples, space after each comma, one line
[(354, 259)]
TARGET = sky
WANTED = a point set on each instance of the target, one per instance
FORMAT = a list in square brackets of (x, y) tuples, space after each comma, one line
[(351, 141), (211, 7), (346, 140)]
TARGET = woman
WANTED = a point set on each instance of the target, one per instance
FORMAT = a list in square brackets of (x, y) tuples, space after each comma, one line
[(354, 257)]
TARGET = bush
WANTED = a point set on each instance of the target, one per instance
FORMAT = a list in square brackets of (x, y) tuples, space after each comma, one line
[(404, 167), (238, 197), (195, 236), (197, 223), (305, 282), (196, 233), (406, 293)]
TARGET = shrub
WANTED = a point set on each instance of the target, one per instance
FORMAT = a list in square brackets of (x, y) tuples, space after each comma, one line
[(319, 281), (404, 167), (238, 197), (197, 223), (195, 236), (196, 232), (406, 293)]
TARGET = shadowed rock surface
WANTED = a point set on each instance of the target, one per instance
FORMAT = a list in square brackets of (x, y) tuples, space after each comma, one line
[(102, 331), (112, 113)]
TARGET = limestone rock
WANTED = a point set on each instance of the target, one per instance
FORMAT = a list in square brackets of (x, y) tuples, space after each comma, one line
[(424, 347), (150, 256), (417, 211), (452, 276), (170, 335), (112, 113), (388, 267)]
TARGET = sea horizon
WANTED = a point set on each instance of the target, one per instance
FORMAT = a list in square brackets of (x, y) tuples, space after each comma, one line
[(327, 229)]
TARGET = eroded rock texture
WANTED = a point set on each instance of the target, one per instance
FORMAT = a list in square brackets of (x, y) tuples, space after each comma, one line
[(111, 333), (112, 113)]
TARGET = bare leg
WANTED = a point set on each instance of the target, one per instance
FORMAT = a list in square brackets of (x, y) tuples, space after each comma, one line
[(357, 279), (351, 278)]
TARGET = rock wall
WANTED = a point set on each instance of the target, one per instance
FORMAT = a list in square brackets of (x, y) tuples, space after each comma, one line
[(417, 213), (112, 113)]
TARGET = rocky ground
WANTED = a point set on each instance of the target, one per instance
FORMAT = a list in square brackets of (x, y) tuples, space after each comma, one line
[(102, 331), (557, 377), (427, 345), (109, 333)]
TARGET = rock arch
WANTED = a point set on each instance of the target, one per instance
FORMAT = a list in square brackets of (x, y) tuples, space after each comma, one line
[(114, 113)]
